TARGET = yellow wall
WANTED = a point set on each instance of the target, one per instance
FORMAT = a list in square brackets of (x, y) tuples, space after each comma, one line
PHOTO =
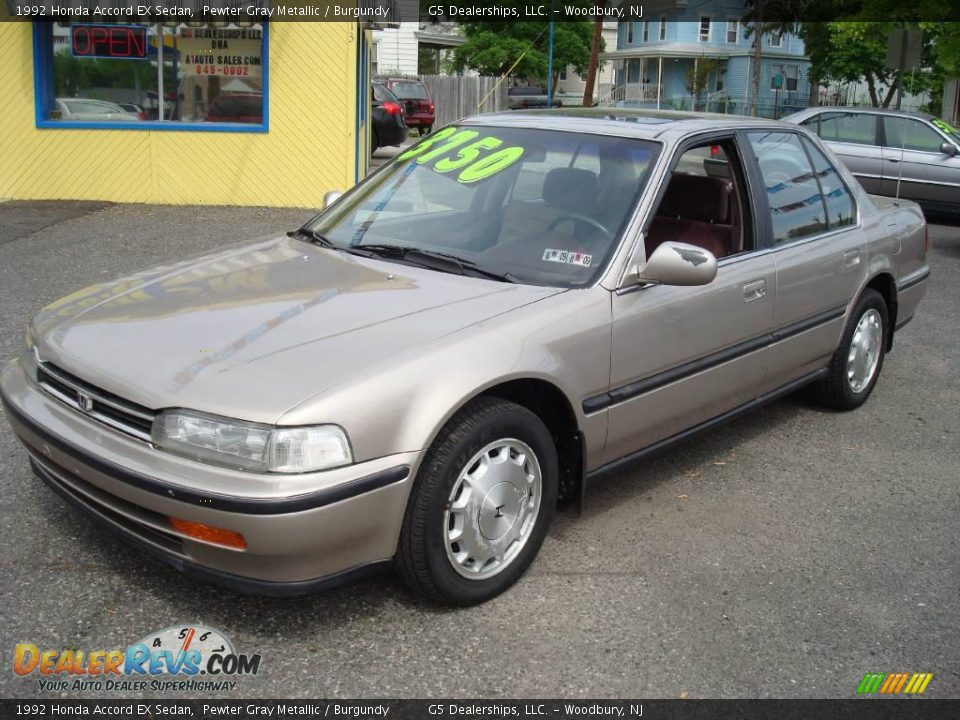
[(309, 149)]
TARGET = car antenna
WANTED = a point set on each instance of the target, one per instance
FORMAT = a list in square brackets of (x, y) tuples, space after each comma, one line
[(903, 136)]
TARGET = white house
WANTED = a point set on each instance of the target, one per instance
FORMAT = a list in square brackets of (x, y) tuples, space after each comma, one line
[(412, 47), (572, 84)]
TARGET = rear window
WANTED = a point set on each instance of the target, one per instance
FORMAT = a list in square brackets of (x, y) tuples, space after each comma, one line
[(381, 94), (410, 91)]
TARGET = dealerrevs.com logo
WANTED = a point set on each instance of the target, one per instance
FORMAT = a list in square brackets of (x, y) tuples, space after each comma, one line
[(185, 658)]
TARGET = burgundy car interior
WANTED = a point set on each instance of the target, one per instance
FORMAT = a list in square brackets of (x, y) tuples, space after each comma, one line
[(697, 210)]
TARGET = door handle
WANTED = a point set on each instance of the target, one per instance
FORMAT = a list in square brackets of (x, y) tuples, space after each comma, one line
[(851, 258), (754, 290)]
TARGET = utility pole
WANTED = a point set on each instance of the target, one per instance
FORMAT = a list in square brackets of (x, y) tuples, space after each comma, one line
[(550, 62), (593, 66)]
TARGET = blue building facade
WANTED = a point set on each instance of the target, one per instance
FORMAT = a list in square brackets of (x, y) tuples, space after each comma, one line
[(687, 56)]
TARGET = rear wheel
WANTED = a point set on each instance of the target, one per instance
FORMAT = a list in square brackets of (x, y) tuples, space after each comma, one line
[(426, 130), (374, 142), (855, 366), (481, 504)]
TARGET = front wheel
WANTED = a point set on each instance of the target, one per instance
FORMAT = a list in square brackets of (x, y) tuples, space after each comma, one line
[(481, 505), (855, 366)]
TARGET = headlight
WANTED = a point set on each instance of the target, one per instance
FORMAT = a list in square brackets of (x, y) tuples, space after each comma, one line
[(29, 359), (248, 446)]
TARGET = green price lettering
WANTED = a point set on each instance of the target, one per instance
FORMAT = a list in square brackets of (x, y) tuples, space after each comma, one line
[(429, 142), (467, 155), (945, 126), (490, 165), (466, 159), (459, 139)]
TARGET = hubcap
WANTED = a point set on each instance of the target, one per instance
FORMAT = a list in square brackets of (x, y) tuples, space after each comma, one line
[(864, 351), (492, 509)]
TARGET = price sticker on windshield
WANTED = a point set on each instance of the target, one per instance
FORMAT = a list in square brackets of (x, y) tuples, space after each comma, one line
[(455, 149)]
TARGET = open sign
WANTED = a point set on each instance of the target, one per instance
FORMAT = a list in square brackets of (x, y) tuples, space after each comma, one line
[(109, 41)]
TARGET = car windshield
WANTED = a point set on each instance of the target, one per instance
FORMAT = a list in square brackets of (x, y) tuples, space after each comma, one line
[(409, 91), (539, 207)]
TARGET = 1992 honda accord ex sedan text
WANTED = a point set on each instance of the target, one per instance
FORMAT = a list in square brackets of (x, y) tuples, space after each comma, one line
[(514, 306)]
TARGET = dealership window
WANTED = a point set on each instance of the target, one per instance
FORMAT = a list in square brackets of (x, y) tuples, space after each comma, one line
[(198, 76)]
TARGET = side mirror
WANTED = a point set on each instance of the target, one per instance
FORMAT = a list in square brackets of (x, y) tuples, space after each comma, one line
[(674, 263), (948, 149), (330, 198)]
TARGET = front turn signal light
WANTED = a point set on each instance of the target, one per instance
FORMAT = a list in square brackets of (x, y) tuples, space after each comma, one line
[(219, 536)]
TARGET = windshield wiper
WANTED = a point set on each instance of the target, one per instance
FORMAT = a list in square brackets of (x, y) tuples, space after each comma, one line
[(402, 252), (315, 237)]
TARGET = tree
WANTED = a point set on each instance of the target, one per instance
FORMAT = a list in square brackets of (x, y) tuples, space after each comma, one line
[(520, 47), (851, 51)]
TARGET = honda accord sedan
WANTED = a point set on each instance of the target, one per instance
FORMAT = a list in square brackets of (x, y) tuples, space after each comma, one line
[(510, 310)]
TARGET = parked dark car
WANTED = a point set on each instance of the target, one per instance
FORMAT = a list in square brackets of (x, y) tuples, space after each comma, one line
[(236, 108), (523, 97), (389, 126), (419, 107)]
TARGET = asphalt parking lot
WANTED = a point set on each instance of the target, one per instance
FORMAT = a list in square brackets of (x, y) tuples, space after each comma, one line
[(783, 555)]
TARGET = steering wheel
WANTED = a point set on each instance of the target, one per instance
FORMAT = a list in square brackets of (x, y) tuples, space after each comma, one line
[(580, 217)]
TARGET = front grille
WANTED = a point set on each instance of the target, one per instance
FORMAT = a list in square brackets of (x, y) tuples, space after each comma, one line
[(105, 407)]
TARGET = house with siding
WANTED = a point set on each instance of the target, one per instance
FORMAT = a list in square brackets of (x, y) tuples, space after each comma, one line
[(688, 56), (571, 84), (412, 47)]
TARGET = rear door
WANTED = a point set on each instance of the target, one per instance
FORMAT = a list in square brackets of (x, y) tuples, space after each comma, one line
[(853, 138), (813, 232), (914, 166)]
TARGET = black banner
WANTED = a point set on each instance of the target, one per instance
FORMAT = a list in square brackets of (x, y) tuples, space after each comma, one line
[(857, 709), (387, 13)]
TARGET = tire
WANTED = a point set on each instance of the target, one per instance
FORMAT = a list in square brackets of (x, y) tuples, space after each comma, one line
[(427, 558), (374, 142), (838, 390), (426, 130)]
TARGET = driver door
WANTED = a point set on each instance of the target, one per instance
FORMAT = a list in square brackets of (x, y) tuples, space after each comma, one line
[(684, 355)]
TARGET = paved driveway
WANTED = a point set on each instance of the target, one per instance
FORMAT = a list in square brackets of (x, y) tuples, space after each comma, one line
[(785, 554)]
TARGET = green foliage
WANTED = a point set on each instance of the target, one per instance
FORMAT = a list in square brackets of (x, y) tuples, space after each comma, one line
[(491, 48), (849, 51)]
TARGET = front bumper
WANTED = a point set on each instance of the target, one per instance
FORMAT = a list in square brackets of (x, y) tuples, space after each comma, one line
[(302, 532)]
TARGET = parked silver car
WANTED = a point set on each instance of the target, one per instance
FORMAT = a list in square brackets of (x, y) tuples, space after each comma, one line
[(892, 153), (511, 309), (91, 109)]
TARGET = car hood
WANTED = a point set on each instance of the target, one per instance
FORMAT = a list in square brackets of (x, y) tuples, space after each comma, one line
[(253, 331)]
